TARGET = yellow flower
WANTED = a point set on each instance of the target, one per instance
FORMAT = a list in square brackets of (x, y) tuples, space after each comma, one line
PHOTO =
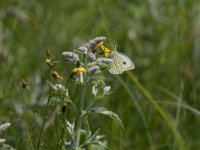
[(57, 75), (79, 70), (105, 50)]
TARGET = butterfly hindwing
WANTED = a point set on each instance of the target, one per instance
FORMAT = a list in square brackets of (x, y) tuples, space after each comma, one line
[(117, 66)]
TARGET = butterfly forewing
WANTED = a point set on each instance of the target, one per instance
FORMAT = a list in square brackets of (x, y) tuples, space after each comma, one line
[(127, 62), (120, 63)]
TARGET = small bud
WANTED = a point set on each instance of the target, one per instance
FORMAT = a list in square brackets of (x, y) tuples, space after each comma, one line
[(83, 48), (71, 55), (92, 56), (49, 62), (94, 69), (104, 60), (4, 126), (57, 75), (64, 108), (2, 141), (48, 54), (23, 84), (92, 44), (107, 90)]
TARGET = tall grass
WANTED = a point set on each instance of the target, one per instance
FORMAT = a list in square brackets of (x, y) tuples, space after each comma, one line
[(158, 101)]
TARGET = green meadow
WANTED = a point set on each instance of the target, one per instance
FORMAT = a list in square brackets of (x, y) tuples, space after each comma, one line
[(158, 102)]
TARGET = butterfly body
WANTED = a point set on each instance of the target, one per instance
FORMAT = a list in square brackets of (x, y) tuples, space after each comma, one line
[(120, 63)]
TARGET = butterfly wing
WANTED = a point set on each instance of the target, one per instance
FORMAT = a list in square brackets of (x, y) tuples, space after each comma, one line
[(117, 66), (128, 63), (120, 63)]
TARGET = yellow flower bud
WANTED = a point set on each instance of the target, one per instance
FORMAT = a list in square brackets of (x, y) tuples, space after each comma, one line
[(49, 62), (57, 75)]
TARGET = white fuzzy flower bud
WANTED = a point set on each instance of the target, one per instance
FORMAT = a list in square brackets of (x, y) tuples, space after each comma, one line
[(94, 69), (2, 141), (104, 60), (107, 90), (92, 56), (4, 126), (71, 55), (83, 48)]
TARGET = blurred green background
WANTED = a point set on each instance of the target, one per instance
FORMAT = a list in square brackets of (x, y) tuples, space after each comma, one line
[(161, 37)]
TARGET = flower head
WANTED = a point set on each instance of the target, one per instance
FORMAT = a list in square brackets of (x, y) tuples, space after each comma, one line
[(79, 70), (104, 60), (92, 44), (94, 69), (83, 48), (92, 56), (71, 56)]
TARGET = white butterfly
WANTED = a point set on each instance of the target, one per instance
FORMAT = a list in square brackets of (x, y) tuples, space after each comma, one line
[(120, 63)]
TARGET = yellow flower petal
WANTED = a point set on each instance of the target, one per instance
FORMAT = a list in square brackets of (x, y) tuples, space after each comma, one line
[(79, 70), (105, 50)]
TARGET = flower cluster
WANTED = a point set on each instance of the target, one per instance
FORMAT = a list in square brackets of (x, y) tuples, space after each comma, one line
[(86, 63), (90, 58)]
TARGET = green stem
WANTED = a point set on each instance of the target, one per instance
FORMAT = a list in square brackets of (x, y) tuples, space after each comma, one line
[(44, 122), (26, 124), (59, 143), (80, 119)]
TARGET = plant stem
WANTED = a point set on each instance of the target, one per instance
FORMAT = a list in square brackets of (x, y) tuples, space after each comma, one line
[(44, 122), (26, 123), (80, 119)]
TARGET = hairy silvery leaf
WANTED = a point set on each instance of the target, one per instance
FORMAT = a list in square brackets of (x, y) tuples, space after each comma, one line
[(70, 127), (99, 145), (98, 89), (87, 128), (104, 111)]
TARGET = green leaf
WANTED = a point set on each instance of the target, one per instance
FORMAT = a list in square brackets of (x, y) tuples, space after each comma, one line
[(98, 145), (87, 128), (104, 111)]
